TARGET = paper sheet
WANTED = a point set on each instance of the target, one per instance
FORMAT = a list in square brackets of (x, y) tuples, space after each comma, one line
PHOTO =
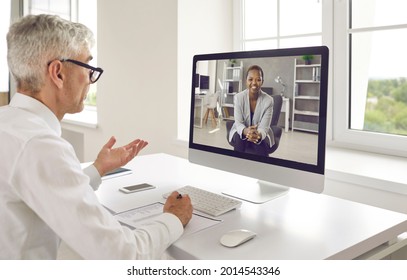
[(139, 216)]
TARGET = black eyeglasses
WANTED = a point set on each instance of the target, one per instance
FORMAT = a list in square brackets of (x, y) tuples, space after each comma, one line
[(94, 74)]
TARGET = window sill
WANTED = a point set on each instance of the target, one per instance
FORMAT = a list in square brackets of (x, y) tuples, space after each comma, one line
[(370, 170), (86, 118), (385, 173)]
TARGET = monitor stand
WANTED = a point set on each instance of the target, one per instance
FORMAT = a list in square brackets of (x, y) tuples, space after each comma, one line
[(259, 192)]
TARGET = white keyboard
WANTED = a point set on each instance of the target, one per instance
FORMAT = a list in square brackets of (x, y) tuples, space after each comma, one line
[(208, 202)]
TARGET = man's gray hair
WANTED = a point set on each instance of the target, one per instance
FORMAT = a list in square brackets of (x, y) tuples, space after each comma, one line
[(36, 40)]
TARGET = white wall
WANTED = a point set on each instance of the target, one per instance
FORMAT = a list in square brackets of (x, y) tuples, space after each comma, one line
[(146, 50), (137, 48), (373, 179), (204, 26)]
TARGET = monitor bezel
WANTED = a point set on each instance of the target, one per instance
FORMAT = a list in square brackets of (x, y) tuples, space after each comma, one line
[(323, 51)]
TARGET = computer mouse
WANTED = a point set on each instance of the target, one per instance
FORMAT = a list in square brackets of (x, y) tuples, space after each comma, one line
[(237, 237)]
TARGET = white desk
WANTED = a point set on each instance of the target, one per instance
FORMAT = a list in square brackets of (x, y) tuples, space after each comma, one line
[(299, 225)]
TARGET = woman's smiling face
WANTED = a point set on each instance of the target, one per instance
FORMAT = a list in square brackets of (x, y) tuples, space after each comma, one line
[(254, 81)]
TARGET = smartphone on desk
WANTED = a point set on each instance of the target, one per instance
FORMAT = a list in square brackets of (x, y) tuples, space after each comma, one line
[(136, 188)]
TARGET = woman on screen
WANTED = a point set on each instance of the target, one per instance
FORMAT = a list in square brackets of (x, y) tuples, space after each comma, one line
[(253, 110)]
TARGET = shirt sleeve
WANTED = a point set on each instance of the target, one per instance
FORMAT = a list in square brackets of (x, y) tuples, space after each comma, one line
[(94, 176), (159, 230), (50, 181)]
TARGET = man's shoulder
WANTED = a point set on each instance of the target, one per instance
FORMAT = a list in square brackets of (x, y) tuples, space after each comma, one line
[(23, 125)]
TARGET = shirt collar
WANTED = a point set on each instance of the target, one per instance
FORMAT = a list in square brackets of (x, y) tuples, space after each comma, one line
[(34, 106)]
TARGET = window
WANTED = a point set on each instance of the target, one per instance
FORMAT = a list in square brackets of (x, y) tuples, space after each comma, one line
[(270, 24), (378, 72), (368, 80), (370, 77), (62, 8), (83, 11), (4, 75)]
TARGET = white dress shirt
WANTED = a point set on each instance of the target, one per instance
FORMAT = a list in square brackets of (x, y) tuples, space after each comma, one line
[(46, 197)]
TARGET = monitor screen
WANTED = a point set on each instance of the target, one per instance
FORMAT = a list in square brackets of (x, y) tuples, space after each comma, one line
[(269, 120)]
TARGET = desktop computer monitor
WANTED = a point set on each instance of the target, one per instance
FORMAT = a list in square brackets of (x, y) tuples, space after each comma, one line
[(296, 79)]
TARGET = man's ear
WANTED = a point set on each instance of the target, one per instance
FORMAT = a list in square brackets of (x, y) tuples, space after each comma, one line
[(55, 73)]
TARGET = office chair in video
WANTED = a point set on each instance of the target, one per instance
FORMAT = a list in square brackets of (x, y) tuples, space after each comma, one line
[(210, 108)]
